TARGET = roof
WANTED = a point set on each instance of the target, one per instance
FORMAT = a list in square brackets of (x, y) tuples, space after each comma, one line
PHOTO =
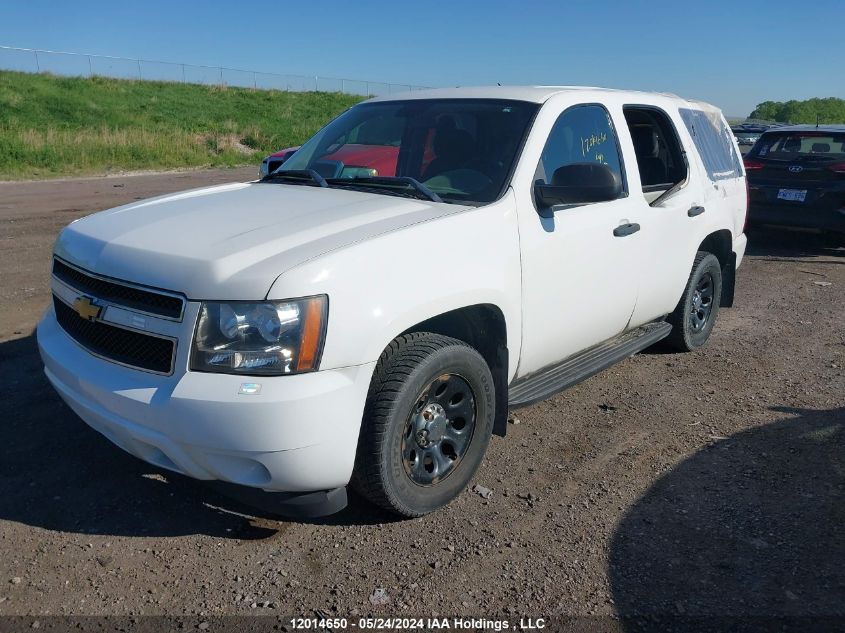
[(808, 128), (534, 94)]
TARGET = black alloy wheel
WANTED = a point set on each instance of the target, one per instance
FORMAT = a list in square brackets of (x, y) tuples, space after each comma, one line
[(693, 319), (439, 430)]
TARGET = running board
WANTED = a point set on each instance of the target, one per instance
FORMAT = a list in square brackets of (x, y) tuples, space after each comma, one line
[(581, 366)]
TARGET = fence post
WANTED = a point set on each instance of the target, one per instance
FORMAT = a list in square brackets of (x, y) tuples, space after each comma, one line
[(221, 76), (316, 85), (37, 65), (90, 69), (367, 88), (183, 73), (139, 69), (254, 82)]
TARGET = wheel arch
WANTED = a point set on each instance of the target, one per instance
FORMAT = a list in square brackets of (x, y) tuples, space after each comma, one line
[(484, 327), (720, 244)]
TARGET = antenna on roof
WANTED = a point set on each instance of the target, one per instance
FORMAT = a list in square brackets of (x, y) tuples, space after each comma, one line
[(498, 83)]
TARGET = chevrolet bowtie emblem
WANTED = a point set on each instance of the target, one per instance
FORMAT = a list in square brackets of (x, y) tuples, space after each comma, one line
[(86, 308)]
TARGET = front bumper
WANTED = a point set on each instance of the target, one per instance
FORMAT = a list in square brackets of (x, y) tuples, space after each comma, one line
[(298, 434)]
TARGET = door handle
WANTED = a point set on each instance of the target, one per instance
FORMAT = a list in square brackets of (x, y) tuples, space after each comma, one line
[(694, 211), (626, 229)]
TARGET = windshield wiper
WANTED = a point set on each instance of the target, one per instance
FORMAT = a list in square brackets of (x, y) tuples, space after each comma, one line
[(389, 181), (298, 175)]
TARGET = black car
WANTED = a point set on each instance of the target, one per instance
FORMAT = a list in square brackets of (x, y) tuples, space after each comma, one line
[(796, 177)]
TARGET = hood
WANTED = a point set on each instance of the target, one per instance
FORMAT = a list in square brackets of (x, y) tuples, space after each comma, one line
[(232, 241)]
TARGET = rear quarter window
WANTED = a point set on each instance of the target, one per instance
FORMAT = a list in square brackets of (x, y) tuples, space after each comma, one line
[(714, 143)]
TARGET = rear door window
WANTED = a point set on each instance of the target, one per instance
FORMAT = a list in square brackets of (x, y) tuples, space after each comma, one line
[(660, 156), (714, 142)]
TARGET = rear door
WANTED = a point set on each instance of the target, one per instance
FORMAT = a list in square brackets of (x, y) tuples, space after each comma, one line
[(670, 195)]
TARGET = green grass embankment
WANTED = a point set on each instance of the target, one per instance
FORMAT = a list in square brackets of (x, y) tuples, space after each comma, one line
[(59, 126)]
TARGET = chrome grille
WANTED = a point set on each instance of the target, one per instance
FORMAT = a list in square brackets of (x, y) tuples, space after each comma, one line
[(121, 345), (117, 293)]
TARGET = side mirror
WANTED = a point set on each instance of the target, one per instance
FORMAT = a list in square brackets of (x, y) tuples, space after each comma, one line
[(579, 183)]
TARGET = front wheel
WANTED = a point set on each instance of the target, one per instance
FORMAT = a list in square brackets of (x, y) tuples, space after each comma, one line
[(694, 317), (427, 422)]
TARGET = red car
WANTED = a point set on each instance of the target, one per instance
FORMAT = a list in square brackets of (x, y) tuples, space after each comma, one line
[(373, 151), (372, 160), (272, 162)]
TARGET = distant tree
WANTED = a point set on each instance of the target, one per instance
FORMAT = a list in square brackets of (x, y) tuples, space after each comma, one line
[(829, 110), (766, 111)]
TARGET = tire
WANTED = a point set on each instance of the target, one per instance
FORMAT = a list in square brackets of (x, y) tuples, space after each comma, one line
[(427, 423), (696, 313)]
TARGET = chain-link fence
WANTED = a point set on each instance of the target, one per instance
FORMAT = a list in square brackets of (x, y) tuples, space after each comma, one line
[(84, 65)]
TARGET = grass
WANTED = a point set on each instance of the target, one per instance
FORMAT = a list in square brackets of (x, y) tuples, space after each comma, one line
[(59, 126)]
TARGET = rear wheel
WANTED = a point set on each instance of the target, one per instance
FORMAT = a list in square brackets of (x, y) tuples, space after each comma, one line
[(696, 312), (427, 423)]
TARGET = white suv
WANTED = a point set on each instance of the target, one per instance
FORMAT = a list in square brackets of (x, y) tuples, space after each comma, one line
[(369, 312)]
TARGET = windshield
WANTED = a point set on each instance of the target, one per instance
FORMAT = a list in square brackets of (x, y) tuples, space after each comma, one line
[(462, 150), (792, 145)]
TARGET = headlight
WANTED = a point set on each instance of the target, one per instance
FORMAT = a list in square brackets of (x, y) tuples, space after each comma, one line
[(262, 338)]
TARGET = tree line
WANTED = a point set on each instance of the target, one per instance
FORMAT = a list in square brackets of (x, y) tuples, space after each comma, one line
[(829, 110)]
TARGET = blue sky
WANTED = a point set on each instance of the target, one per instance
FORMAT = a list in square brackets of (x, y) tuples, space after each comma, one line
[(734, 54)]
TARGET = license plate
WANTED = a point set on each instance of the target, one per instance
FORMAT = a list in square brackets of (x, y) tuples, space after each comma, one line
[(793, 195)]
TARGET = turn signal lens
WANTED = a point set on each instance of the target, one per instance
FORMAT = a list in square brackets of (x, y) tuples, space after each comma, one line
[(313, 327)]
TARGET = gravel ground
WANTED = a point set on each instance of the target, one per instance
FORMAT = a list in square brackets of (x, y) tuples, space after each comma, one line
[(710, 483)]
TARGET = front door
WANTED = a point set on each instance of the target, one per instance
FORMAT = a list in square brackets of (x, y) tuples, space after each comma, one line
[(579, 275)]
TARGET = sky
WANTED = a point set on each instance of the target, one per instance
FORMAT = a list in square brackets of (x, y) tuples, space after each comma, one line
[(733, 54)]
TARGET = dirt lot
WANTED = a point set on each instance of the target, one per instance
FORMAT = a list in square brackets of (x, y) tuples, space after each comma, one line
[(699, 484)]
